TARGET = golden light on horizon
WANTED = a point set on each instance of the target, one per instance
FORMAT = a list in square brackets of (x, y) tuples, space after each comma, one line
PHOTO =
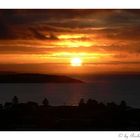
[(74, 43), (71, 36), (76, 61)]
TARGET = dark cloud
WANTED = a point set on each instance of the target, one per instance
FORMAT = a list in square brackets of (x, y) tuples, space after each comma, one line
[(23, 32), (44, 25), (39, 35), (129, 33), (17, 23)]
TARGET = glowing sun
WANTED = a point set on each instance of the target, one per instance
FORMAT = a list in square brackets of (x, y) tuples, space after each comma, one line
[(76, 61)]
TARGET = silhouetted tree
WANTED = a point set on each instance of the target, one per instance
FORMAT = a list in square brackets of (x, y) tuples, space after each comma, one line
[(123, 105), (92, 103), (93, 116), (82, 102), (15, 100), (89, 102), (112, 106), (45, 102)]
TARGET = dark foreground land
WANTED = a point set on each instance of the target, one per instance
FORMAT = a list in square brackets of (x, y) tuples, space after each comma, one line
[(90, 115)]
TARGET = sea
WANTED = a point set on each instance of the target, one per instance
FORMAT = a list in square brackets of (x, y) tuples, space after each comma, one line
[(102, 88)]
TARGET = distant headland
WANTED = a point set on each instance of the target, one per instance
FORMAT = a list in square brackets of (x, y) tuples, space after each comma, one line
[(35, 78)]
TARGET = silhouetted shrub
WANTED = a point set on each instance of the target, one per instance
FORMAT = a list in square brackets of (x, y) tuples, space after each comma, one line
[(15, 100), (45, 102), (92, 103), (123, 105), (81, 103), (112, 106)]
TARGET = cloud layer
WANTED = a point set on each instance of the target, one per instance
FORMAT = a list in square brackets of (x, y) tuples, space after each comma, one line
[(55, 35)]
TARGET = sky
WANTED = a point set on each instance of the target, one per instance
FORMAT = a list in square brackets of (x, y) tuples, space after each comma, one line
[(47, 40)]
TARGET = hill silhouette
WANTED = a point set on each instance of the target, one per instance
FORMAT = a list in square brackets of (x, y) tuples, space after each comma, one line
[(35, 78)]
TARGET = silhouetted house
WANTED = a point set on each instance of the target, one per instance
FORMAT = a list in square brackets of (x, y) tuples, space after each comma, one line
[(32, 105), (8, 105), (23, 107)]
